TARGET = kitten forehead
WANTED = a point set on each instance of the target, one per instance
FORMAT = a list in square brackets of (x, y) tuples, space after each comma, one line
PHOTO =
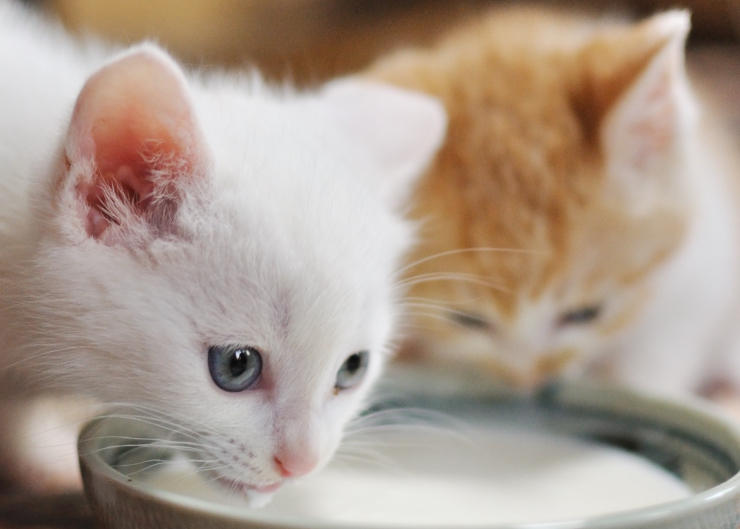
[(304, 269)]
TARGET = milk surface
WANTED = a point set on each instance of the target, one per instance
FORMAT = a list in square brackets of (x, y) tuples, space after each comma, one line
[(495, 475)]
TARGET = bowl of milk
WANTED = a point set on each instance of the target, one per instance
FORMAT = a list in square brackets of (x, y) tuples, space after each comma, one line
[(453, 452)]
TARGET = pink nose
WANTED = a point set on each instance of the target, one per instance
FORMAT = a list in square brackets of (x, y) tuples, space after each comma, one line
[(291, 465)]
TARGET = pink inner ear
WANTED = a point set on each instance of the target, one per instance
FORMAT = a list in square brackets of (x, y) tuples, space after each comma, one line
[(644, 128), (654, 131), (133, 119)]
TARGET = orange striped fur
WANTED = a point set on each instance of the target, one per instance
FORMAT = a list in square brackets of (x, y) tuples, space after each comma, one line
[(520, 226)]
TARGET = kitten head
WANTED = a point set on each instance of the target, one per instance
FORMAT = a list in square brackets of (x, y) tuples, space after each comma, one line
[(559, 191), (222, 258)]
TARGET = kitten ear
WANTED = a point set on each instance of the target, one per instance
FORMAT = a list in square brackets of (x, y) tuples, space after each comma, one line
[(643, 131), (399, 129), (133, 134)]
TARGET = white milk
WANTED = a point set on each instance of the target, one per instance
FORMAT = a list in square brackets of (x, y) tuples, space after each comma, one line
[(430, 478)]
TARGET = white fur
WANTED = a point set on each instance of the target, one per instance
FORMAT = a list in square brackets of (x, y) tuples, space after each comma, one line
[(285, 245)]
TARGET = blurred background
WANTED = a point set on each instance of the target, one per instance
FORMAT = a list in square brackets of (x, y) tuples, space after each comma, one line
[(308, 41)]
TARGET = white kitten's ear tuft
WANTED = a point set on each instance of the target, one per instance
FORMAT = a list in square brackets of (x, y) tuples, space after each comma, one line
[(133, 134), (643, 132), (399, 129)]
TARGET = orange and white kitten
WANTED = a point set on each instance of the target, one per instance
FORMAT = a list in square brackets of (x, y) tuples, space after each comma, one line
[(578, 219)]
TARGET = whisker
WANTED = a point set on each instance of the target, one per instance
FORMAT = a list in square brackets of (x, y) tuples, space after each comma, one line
[(439, 276), (466, 250)]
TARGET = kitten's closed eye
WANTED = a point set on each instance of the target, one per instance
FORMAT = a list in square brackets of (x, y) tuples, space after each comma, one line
[(352, 371), (234, 367), (580, 316), (472, 321)]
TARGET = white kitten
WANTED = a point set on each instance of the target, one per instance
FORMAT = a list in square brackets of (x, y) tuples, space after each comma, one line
[(204, 248)]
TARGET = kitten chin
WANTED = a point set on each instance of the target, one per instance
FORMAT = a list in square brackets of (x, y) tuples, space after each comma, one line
[(569, 219)]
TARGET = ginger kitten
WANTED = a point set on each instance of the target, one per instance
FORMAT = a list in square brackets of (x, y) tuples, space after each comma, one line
[(577, 218)]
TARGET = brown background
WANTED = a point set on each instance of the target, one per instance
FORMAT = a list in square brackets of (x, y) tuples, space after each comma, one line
[(310, 40)]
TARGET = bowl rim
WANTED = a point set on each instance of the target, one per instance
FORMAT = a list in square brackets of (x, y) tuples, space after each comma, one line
[(575, 394)]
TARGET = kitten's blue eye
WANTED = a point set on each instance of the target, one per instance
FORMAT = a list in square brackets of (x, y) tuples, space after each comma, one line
[(352, 370), (234, 367), (580, 316)]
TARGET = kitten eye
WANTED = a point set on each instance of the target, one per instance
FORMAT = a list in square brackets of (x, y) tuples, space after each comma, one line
[(352, 370), (234, 367), (470, 320), (580, 316)]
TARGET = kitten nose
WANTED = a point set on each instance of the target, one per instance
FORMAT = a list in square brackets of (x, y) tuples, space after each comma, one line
[(281, 468), (296, 464)]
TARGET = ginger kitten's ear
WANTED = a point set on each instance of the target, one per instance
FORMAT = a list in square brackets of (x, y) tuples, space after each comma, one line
[(399, 129), (643, 131), (133, 134)]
